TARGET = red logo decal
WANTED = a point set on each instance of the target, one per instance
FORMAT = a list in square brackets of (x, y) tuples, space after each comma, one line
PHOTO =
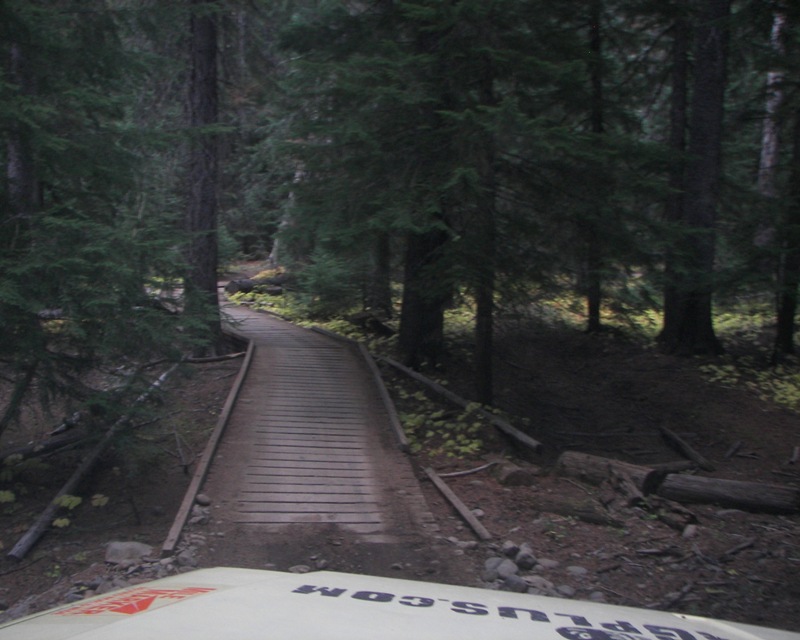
[(133, 601)]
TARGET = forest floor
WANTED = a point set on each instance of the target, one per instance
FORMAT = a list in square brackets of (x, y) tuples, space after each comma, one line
[(599, 394)]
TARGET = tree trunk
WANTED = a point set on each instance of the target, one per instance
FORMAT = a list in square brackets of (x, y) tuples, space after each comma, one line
[(20, 169), (486, 230), (379, 288), (424, 299), (484, 338), (692, 331), (673, 209), (22, 384), (770, 133), (790, 268), (594, 251), (23, 202), (201, 217)]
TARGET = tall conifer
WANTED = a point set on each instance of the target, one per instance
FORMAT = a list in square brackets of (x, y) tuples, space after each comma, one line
[(77, 262)]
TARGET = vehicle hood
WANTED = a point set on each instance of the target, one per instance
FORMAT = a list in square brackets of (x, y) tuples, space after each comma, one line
[(228, 603)]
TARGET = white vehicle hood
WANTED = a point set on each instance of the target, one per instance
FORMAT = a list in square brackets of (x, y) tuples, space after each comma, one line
[(220, 604)]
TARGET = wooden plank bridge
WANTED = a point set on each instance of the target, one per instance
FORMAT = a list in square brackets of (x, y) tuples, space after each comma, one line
[(308, 441)]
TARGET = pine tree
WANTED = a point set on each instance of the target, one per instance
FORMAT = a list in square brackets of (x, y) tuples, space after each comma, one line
[(78, 264), (412, 129), (691, 329)]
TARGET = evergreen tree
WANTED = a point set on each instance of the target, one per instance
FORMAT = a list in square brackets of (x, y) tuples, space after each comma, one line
[(420, 124), (691, 329), (494, 148), (250, 67), (77, 264)]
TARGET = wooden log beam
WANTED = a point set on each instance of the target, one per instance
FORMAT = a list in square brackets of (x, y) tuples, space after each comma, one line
[(684, 448), (503, 425), (458, 505), (37, 529), (209, 359), (391, 410), (203, 466), (749, 496), (43, 447)]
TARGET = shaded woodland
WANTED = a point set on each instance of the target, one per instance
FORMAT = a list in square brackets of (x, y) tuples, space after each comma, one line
[(396, 157)]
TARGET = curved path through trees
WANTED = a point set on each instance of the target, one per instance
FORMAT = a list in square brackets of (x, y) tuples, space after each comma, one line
[(308, 454)]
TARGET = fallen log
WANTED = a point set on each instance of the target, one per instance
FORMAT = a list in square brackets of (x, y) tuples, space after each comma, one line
[(683, 447), (596, 470), (41, 524), (209, 359), (458, 505), (749, 496), (621, 485), (503, 425), (386, 399), (43, 447)]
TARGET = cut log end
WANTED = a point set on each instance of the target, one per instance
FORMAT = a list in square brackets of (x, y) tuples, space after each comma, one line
[(596, 470), (678, 487)]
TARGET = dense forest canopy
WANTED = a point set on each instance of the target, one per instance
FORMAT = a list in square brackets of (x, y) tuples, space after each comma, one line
[(629, 152)]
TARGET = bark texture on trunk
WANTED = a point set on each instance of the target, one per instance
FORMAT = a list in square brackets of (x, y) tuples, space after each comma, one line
[(678, 118), (770, 133), (379, 287), (201, 216), (23, 198), (790, 268), (692, 329), (594, 250), (424, 299)]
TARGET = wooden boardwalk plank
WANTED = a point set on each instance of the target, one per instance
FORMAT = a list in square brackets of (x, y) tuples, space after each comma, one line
[(300, 446), (300, 518), (312, 466), (321, 457), (362, 498), (260, 488), (355, 447), (308, 507), (312, 473)]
